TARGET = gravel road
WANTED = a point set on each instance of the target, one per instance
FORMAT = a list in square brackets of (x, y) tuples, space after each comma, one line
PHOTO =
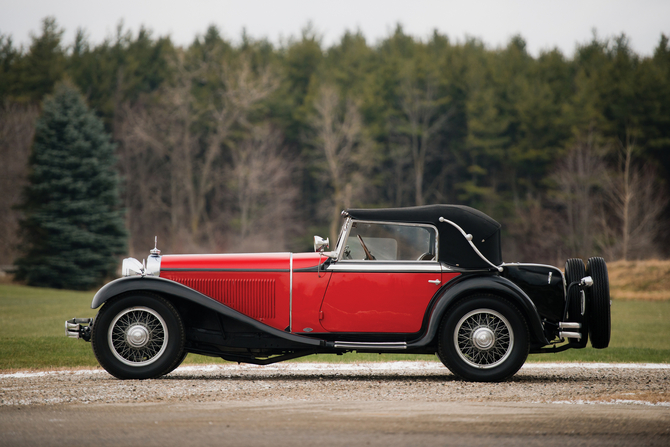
[(397, 403), (393, 381)]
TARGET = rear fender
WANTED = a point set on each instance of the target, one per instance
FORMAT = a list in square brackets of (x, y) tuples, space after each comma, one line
[(181, 292), (489, 284)]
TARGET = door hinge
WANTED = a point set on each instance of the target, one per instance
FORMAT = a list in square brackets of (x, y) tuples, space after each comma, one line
[(320, 315)]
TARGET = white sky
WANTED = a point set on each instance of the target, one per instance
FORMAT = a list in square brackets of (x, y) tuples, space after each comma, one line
[(544, 24)]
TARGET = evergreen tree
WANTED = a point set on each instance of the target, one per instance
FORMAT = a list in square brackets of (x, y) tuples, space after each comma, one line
[(73, 227), (45, 63)]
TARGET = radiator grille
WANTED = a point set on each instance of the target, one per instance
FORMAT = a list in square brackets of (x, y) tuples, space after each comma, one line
[(252, 297)]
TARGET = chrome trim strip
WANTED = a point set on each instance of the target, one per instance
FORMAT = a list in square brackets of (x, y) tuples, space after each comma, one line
[(370, 345), (290, 293), (225, 270), (341, 243), (446, 268), (386, 266)]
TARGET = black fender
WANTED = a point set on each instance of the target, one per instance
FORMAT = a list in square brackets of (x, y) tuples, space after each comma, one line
[(471, 285), (181, 292)]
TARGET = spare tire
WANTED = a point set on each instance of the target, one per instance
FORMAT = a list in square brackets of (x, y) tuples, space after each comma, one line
[(599, 303), (575, 271)]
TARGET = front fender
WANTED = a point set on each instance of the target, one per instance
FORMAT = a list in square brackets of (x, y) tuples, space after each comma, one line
[(471, 285), (180, 291)]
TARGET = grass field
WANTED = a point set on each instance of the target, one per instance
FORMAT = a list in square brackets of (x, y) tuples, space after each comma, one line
[(32, 332)]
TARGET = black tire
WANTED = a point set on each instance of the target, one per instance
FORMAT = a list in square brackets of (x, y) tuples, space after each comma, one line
[(157, 343), (177, 363), (502, 342), (599, 304), (577, 311)]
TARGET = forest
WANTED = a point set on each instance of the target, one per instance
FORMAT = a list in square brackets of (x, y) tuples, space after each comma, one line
[(227, 146)]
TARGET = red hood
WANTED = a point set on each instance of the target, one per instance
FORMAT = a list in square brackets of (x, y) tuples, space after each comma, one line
[(245, 261)]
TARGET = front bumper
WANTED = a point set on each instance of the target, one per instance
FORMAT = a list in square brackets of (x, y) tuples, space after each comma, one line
[(75, 328)]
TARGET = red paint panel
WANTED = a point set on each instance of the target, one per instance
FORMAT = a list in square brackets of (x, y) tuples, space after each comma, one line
[(307, 260), (263, 296), (252, 297), (308, 291), (378, 302), (255, 261)]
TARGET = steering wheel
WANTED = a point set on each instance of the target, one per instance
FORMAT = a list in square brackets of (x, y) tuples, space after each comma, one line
[(368, 255)]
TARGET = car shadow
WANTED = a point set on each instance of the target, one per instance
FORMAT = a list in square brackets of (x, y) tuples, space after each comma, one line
[(369, 378)]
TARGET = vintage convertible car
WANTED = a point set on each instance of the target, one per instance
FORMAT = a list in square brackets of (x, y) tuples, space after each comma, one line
[(420, 280)]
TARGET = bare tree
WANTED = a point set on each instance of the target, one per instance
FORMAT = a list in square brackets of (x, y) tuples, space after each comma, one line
[(17, 128), (581, 177), (423, 121), (261, 180), (535, 232), (192, 161), (346, 152), (636, 203), (151, 197)]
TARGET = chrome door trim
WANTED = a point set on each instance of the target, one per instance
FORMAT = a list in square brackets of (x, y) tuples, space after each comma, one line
[(290, 293), (386, 266)]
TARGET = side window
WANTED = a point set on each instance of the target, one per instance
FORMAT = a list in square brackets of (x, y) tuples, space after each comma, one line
[(390, 242)]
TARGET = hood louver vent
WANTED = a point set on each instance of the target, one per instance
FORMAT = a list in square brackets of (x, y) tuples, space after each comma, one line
[(252, 297)]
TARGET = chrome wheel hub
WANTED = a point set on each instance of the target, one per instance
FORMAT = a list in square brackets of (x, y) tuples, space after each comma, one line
[(138, 336), (483, 338)]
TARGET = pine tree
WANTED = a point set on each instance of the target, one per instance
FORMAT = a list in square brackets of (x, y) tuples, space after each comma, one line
[(73, 226)]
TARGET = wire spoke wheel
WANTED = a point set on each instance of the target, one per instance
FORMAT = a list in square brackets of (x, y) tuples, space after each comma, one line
[(138, 336), (483, 338)]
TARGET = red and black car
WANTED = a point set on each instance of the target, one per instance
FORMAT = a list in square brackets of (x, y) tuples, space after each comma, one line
[(420, 280)]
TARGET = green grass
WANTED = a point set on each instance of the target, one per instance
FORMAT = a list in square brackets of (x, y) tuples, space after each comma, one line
[(640, 333), (32, 334)]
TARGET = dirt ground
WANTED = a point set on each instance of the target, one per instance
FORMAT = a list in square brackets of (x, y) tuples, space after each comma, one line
[(377, 404)]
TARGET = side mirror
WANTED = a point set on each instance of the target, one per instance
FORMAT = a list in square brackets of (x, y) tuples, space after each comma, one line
[(320, 244)]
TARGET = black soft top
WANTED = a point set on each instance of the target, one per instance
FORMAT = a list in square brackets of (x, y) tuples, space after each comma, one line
[(454, 248)]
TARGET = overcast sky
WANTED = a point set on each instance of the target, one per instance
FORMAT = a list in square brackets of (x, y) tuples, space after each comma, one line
[(544, 24)]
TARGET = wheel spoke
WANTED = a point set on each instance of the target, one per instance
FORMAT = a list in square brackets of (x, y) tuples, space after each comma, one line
[(138, 336), (483, 338)]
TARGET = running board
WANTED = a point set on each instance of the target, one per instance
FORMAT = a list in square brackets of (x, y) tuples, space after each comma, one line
[(364, 345)]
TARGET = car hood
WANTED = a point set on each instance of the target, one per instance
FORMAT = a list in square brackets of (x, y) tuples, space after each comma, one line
[(241, 262)]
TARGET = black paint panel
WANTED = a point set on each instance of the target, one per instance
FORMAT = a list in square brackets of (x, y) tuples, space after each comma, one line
[(547, 293)]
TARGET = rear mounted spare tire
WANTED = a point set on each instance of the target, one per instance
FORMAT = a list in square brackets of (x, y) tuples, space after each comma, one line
[(599, 303), (575, 271)]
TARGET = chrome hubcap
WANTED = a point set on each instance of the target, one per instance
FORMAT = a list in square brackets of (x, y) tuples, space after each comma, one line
[(483, 338), (138, 336)]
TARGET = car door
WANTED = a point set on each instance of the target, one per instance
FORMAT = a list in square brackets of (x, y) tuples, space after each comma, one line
[(384, 279)]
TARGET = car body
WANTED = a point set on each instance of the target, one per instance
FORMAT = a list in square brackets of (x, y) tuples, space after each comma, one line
[(422, 280)]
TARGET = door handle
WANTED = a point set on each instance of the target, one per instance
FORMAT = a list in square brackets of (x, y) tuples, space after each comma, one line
[(435, 281)]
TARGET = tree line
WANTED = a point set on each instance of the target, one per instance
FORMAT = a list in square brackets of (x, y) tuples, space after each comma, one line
[(224, 146)]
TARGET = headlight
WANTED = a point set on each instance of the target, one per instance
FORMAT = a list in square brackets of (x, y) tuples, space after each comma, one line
[(132, 267)]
